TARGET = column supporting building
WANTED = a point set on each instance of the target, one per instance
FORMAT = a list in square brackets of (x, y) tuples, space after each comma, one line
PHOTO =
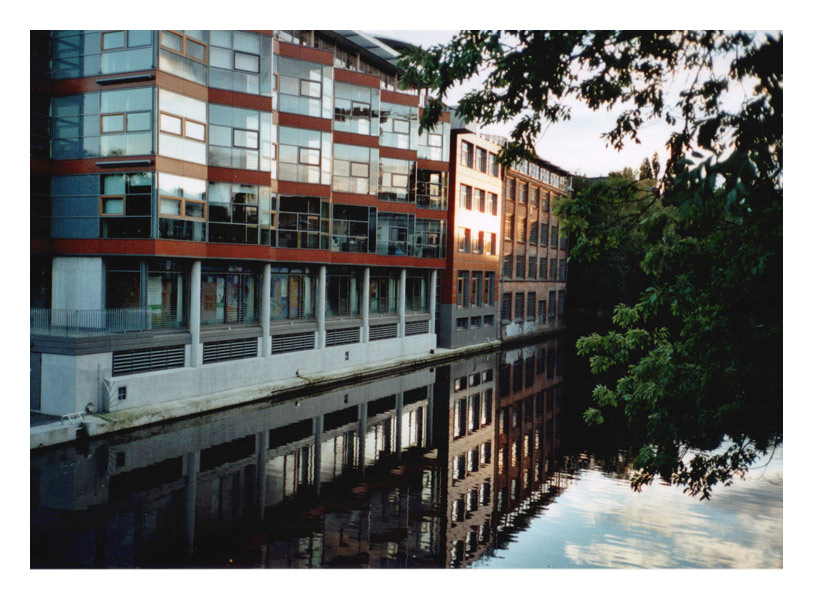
[(433, 288), (402, 305), (195, 358), (265, 311), (321, 296), (365, 306)]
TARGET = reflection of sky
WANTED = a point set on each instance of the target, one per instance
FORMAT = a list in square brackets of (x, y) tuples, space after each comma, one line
[(600, 522)]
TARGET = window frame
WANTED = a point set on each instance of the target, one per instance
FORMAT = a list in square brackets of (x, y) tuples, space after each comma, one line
[(184, 40)]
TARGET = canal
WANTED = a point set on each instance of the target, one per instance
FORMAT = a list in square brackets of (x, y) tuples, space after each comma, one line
[(475, 464)]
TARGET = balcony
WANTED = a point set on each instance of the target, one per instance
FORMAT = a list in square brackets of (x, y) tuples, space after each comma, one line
[(76, 323)]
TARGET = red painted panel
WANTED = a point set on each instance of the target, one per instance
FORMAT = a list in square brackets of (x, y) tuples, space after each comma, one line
[(386, 152), (355, 139), (303, 189), (305, 53), (240, 99), (399, 98), (239, 175), (356, 78), (303, 122), (435, 165)]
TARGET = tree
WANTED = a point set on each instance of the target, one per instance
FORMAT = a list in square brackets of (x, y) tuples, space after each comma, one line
[(695, 362), (645, 172)]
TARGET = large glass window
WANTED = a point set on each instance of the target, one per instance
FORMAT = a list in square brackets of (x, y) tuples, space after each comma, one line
[(229, 294), (383, 292), (417, 292), (184, 53), (235, 211), (355, 109), (293, 293), (430, 238), (303, 222), (125, 205), (181, 127), (181, 208), (434, 145), (399, 126), (489, 287), (355, 169), (122, 283), (395, 179), (305, 88), (126, 122), (394, 234), (431, 189), (75, 126), (304, 155), (353, 228), (240, 61), (124, 51), (342, 293), (240, 138), (167, 293), (75, 54), (463, 289), (466, 154)]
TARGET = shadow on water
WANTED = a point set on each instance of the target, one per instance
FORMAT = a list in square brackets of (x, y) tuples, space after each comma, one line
[(441, 467)]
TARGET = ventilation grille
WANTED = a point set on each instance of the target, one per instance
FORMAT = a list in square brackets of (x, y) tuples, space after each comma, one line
[(229, 350), (417, 327), (292, 342), (337, 337), (383, 332), (153, 359)]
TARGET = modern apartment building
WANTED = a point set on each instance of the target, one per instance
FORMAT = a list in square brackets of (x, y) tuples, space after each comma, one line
[(213, 210), (534, 254), (467, 311)]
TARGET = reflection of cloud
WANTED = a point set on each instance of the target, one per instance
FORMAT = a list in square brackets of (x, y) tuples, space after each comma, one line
[(660, 527)]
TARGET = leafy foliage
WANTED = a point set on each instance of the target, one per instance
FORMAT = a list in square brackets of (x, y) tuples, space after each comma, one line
[(693, 355)]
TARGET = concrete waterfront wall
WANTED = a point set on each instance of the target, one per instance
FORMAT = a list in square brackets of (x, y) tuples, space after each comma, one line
[(70, 383)]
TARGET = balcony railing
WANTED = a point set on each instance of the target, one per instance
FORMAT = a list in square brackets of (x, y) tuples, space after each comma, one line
[(99, 321)]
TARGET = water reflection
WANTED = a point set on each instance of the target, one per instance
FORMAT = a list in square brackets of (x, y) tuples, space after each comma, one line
[(447, 467)]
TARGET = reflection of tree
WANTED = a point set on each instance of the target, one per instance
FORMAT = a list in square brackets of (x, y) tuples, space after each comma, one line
[(695, 360)]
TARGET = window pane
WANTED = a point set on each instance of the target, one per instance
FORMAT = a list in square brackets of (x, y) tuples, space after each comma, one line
[(194, 210), (139, 121), (246, 139), (359, 170), (139, 37), (171, 124), (312, 89), (112, 123), (113, 206), (170, 206), (113, 39), (172, 40), (195, 50), (196, 131), (247, 62), (308, 157)]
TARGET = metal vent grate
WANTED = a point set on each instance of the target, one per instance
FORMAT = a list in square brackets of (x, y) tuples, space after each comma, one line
[(292, 342), (383, 332), (229, 350), (153, 359), (417, 327), (337, 337)]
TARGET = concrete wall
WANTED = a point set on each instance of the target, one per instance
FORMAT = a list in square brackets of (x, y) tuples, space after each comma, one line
[(77, 283), (69, 383), (450, 337)]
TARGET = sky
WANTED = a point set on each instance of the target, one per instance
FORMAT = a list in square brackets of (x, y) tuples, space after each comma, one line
[(575, 145)]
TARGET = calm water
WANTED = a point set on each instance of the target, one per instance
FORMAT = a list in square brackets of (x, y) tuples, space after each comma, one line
[(464, 465)]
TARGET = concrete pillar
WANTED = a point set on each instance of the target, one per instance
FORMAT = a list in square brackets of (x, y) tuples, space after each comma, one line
[(430, 410), (321, 304), (261, 445), (192, 466), (402, 305), (365, 306), (433, 288), (265, 312), (195, 356)]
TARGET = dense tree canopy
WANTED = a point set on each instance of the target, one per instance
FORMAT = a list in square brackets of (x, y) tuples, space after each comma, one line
[(695, 360)]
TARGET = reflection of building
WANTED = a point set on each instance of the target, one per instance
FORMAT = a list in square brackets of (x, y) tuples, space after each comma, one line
[(313, 468), (529, 400), (534, 267), (466, 425), (468, 301), (214, 209)]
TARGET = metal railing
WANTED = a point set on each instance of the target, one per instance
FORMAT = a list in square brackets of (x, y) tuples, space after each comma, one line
[(98, 321)]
